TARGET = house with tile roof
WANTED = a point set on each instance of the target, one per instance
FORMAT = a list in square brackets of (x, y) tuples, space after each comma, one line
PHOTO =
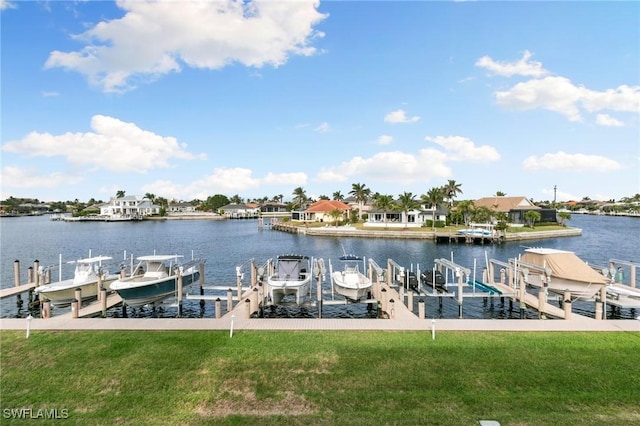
[(515, 207), (320, 211)]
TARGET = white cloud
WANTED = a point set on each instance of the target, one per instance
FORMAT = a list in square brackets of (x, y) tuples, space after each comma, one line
[(623, 98), (6, 4), (114, 145), (322, 128), (391, 166), (459, 148), (223, 180), (16, 177), (155, 38), (49, 94), (523, 66), (607, 120), (400, 116), (560, 95), (570, 162), (556, 94), (385, 139)]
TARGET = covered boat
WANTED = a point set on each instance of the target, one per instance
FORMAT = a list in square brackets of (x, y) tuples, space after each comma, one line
[(291, 277), (560, 271), (155, 278)]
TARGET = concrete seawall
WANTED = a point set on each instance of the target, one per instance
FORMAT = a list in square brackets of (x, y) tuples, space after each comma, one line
[(346, 231)]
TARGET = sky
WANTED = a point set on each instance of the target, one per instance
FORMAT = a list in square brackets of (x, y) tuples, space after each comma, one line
[(189, 99)]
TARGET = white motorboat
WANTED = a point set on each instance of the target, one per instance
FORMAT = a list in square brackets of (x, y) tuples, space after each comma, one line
[(561, 271), (291, 277), (350, 282), (155, 278), (86, 275)]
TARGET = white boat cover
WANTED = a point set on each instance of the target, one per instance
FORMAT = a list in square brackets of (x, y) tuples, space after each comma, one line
[(563, 264)]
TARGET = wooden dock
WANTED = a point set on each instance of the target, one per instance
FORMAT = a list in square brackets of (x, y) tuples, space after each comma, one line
[(448, 237), (94, 308), (13, 291)]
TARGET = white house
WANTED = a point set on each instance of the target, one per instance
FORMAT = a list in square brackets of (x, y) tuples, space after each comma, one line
[(397, 219), (129, 206)]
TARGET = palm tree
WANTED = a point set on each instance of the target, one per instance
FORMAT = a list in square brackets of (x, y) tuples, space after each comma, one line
[(465, 208), (151, 197), (299, 197), (532, 217), (120, 193), (361, 194), (500, 194), (407, 201), (236, 199), (433, 197), (338, 196), (451, 190), (564, 217), (335, 215), (384, 203)]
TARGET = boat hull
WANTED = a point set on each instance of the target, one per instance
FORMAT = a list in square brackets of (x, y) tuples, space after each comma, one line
[(64, 293), (278, 290), (353, 286), (559, 286), (142, 292)]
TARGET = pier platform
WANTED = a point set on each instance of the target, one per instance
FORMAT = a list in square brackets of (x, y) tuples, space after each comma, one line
[(13, 291)]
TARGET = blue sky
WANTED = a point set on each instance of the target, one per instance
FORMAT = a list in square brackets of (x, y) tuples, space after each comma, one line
[(190, 99)]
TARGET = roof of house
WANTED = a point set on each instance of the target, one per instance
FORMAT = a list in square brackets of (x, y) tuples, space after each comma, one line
[(505, 204), (327, 206)]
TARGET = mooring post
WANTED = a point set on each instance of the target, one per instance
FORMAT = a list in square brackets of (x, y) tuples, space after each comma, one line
[(254, 300), (75, 307), (36, 272), (103, 302), (567, 305), (247, 308), (218, 304), (603, 299), (410, 300), (78, 296), (383, 299), (46, 309), (16, 273), (421, 309), (179, 285), (392, 309), (542, 301), (201, 270), (30, 275), (229, 300)]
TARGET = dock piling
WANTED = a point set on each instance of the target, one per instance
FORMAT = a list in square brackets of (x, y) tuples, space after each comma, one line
[(16, 273)]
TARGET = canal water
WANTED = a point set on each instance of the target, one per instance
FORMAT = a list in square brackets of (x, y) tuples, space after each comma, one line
[(231, 243)]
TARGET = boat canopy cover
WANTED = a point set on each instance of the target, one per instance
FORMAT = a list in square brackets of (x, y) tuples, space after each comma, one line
[(563, 264), (91, 259), (350, 257), (159, 257)]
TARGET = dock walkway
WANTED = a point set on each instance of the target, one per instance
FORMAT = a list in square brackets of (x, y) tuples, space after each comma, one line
[(12, 291), (311, 324)]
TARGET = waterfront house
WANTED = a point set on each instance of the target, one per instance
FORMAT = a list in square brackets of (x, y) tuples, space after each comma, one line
[(320, 211), (181, 207), (133, 206), (516, 208), (415, 218), (240, 211)]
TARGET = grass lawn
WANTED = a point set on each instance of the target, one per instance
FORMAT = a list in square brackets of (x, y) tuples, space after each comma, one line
[(322, 377)]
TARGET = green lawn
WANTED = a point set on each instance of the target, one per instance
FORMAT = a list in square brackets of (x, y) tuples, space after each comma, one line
[(322, 377)]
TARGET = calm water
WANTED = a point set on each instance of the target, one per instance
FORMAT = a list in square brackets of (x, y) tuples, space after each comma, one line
[(227, 244)]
